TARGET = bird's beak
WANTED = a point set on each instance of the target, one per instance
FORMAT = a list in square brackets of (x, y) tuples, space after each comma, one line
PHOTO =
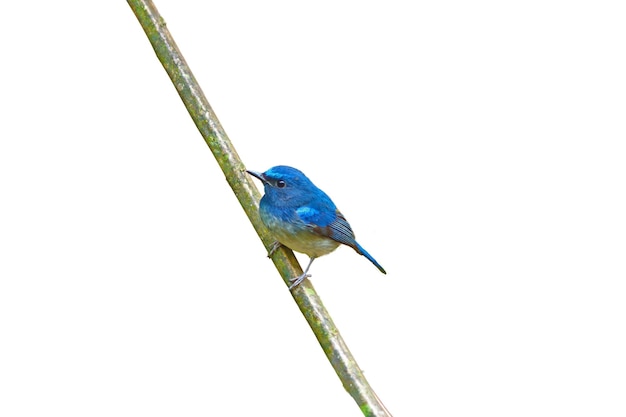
[(258, 175)]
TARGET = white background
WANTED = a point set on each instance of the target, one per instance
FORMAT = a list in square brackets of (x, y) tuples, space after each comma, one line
[(477, 149)]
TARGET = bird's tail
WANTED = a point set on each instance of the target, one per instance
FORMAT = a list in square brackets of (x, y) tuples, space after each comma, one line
[(363, 252)]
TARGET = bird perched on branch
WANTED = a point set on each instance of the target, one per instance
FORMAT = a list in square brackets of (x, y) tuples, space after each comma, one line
[(302, 217)]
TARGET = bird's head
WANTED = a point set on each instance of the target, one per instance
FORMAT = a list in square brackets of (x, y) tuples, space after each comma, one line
[(285, 184)]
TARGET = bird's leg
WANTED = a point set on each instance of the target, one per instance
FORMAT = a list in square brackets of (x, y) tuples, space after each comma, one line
[(274, 248), (296, 281)]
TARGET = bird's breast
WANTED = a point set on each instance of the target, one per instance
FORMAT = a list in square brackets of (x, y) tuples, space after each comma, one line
[(296, 235)]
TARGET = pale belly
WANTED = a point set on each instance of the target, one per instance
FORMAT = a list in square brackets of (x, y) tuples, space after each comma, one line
[(303, 241)]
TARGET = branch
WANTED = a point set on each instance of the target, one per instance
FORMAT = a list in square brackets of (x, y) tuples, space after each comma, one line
[(246, 192)]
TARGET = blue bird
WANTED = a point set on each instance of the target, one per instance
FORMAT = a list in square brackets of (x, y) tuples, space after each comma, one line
[(302, 217)]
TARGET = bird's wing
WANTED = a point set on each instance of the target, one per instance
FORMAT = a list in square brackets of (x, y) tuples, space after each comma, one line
[(327, 223)]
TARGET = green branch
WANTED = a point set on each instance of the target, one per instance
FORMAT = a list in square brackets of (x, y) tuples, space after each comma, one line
[(209, 126)]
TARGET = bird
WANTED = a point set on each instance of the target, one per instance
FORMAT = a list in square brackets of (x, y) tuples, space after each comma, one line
[(303, 218)]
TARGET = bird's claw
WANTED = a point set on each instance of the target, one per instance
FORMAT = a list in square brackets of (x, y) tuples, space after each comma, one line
[(274, 248), (297, 280)]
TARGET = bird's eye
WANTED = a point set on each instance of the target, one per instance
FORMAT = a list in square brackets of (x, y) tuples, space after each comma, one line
[(280, 184)]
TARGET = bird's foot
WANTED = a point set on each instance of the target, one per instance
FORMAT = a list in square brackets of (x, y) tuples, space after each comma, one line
[(297, 280), (274, 248)]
